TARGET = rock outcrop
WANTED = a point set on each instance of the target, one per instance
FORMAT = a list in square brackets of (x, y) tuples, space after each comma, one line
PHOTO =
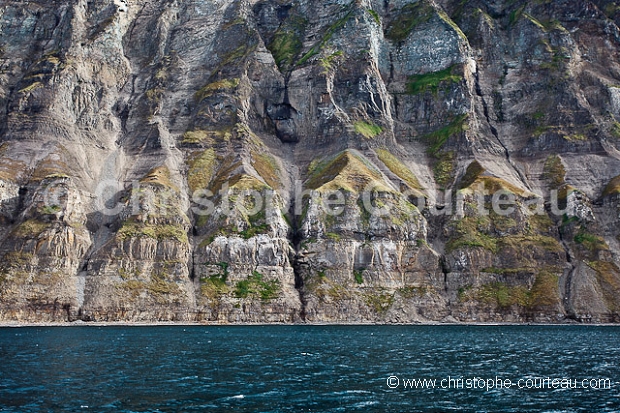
[(310, 161)]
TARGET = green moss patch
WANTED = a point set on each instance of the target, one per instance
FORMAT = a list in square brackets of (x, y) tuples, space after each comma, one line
[(407, 19), (613, 187), (366, 129), (255, 286), (214, 87), (444, 169), (131, 229), (208, 137), (375, 16), (503, 295), (267, 168), (439, 137), (535, 242), (398, 168), (31, 228), (608, 276), (474, 170), (201, 169), (418, 84), (215, 285), (316, 49), (379, 301), (159, 176), (545, 291), (345, 171), (554, 171), (31, 87), (590, 241), (285, 47)]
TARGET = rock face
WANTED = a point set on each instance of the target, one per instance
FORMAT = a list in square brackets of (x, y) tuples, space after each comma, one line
[(305, 160)]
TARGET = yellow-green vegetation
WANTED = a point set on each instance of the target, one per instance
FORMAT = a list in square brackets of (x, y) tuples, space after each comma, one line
[(246, 182), (267, 168), (417, 84), (444, 16), (327, 63), (443, 169), (554, 171), (367, 129), (375, 16), (50, 209), (560, 56), (493, 184), (17, 259), (214, 87), (407, 19), (358, 275), (545, 291), (486, 16), (158, 287), (209, 137), (471, 232), (333, 236), (379, 301), (546, 25), (30, 228), (215, 286), (31, 87), (53, 164), (201, 169), (502, 295), (474, 231), (473, 172), (615, 130), (284, 47), (256, 225), (516, 14), (411, 291), (531, 242), (590, 241), (613, 187), (611, 9), (255, 286), (345, 171), (154, 95), (325, 288), (132, 229), (474, 176), (438, 138), (398, 168), (314, 50), (608, 276), (575, 137), (159, 176)]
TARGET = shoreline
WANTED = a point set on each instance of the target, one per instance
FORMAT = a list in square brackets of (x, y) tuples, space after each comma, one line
[(19, 324)]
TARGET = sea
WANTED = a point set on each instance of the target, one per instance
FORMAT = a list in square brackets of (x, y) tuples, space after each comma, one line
[(310, 368)]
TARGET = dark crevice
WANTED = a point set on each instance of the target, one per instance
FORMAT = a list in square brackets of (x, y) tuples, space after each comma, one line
[(567, 293), (485, 110), (296, 239), (445, 271)]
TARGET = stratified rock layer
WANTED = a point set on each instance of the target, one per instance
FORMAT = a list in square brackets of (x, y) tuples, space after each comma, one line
[(291, 161)]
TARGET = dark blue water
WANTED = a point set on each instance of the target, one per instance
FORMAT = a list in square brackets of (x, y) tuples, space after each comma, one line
[(304, 368)]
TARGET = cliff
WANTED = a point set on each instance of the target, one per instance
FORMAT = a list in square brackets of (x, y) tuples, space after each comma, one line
[(305, 160)]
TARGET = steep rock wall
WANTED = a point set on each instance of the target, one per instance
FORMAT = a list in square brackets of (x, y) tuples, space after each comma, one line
[(179, 160)]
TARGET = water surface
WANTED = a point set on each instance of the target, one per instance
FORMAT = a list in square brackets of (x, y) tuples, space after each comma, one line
[(303, 368)]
